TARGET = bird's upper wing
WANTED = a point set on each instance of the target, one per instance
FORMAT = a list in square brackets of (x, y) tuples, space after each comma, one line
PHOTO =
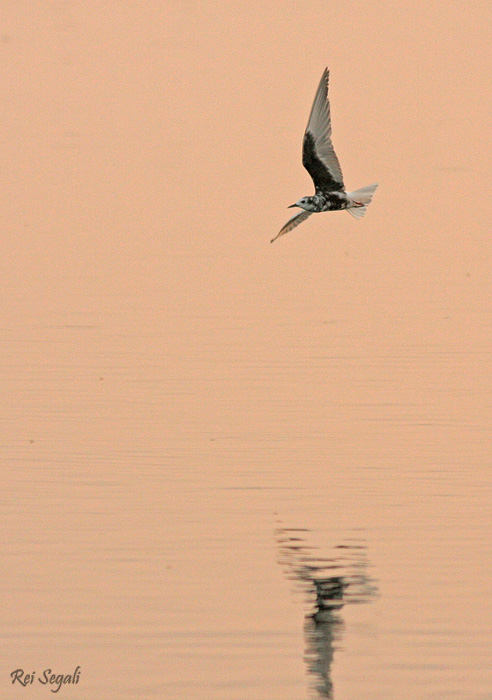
[(318, 155), (292, 223)]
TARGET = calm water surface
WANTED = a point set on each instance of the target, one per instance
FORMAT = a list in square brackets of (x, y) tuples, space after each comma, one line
[(233, 470), (156, 481)]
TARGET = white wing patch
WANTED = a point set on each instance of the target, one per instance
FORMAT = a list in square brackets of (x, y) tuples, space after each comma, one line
[(292, 223)]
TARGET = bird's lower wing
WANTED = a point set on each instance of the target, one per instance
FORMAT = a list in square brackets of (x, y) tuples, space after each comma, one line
[(292, 223)]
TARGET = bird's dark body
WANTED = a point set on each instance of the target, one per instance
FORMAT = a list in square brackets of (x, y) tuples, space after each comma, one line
[(327, 201)]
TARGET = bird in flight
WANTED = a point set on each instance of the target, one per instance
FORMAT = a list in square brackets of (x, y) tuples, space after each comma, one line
[(320, 160)]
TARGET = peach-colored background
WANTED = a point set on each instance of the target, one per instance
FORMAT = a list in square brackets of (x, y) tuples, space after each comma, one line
[(174, 386)]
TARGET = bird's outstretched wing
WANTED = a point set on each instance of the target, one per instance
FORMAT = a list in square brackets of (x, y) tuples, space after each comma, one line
[(318, 155), (292, 223)]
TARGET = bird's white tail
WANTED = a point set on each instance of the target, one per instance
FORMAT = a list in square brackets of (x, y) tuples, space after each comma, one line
[(360, 200)]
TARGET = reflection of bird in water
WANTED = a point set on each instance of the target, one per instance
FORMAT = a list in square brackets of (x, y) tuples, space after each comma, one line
[(322, 637), (322, 630), (327, 584), (329, 596), (320, 160)]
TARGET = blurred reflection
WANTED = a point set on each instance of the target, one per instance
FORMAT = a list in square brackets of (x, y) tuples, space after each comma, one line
[(327, 583)]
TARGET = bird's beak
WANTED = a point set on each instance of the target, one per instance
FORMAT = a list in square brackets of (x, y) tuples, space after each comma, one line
[(292, 205)]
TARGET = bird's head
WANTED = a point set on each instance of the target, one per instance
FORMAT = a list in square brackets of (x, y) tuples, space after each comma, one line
[(304, 203)]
